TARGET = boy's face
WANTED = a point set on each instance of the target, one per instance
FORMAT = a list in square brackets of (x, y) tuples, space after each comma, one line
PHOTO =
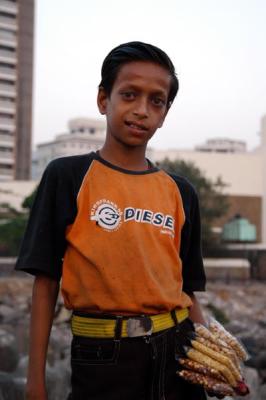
[(137, 105)]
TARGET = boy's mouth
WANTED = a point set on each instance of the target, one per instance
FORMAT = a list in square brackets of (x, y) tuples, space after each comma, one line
[(136, 126)]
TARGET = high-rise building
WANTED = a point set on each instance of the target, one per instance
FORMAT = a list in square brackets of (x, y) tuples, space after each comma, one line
[(16, 66)]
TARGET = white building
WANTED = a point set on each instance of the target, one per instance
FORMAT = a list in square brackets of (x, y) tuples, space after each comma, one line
[(223, 145), (84, 135), (244, 172)]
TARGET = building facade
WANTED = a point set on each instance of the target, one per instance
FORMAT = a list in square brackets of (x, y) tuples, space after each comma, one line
[(222, 145), (83, 136), (243, 172), (16, 71)]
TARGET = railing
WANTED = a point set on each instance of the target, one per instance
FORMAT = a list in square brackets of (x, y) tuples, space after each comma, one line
[(8, 122), (5, 177), (8, 6), (7, 140), (8, 22), (10, 105), (10, 72), (7, 109), (9, 89), (6, 155), (10, 55), (9, 37)]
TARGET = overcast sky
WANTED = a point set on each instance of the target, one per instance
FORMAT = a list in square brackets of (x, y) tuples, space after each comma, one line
[(218, 48)]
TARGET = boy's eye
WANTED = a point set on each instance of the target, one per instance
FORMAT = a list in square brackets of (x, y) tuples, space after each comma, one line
[(128, 95), (157, 101)]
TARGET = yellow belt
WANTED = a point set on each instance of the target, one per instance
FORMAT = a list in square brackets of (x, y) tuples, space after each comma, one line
[(105, 328)]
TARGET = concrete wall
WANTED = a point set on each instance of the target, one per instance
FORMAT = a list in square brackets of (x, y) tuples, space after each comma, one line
[(227, 269), (242, 172)]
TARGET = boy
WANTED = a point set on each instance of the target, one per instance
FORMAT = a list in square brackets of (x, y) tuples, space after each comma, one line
[(125, 237)]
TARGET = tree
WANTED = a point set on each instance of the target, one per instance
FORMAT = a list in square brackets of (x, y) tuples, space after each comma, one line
[(13, 224), (28, 201), (213, 203)]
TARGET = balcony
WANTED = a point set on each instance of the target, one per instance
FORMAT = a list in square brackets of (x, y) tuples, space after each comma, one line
[(7, 107), (8, 73), (6, 163), (6, 175), (6, 157), (8, 56), (8, 90), (9, 7), (8, 124), (8, 23), (7, 141), (8, 38)]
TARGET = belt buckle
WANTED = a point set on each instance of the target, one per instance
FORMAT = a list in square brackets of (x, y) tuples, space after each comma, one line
[(139, 326)]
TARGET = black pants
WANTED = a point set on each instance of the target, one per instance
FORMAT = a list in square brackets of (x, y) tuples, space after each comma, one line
[(142, 368)]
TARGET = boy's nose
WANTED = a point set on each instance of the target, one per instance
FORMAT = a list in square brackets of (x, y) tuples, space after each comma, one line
[(141, 108)]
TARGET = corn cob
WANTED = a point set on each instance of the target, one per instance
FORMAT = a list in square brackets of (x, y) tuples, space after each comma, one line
[(209, 384), (222, 334), (206, 360), (200, 368), (215, 355), (224, 350), (206, 334)]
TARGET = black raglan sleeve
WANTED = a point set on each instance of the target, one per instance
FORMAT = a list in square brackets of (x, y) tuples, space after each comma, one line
[(44, 243), (194, 278)]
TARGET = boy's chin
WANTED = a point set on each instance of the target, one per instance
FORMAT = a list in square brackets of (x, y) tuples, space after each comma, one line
[(133, 144)]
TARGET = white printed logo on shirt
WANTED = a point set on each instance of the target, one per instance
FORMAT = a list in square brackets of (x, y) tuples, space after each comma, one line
[(106, 214), (109, 217)]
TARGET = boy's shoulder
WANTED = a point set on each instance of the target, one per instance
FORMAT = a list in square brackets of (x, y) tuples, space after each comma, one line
[(68, 169), (70, 163), (186, 188), (66, 173)]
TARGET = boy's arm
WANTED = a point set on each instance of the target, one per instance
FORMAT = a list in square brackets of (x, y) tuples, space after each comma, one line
[(195, 311), (44, 296)]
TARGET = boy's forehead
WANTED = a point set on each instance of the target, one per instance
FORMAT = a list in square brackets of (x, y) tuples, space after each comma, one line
[(144, 72)]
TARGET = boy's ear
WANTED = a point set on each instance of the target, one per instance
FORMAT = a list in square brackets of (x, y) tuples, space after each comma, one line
[(102, 100), (163, 118)]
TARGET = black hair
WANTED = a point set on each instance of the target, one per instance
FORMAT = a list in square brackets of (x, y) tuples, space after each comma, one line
[(136, 51)]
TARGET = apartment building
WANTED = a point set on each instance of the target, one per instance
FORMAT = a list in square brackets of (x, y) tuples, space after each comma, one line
[(16, 66)]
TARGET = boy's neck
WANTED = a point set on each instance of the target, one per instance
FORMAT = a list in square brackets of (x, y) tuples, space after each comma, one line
[(131, 158)]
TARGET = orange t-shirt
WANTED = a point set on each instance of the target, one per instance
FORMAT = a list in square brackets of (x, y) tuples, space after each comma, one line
[(128, 241)]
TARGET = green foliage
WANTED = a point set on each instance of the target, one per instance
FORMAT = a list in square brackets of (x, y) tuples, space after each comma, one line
[(218, 314), (213, 204), (12, 226), (10, 235), (6, 211), (28, 201)]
